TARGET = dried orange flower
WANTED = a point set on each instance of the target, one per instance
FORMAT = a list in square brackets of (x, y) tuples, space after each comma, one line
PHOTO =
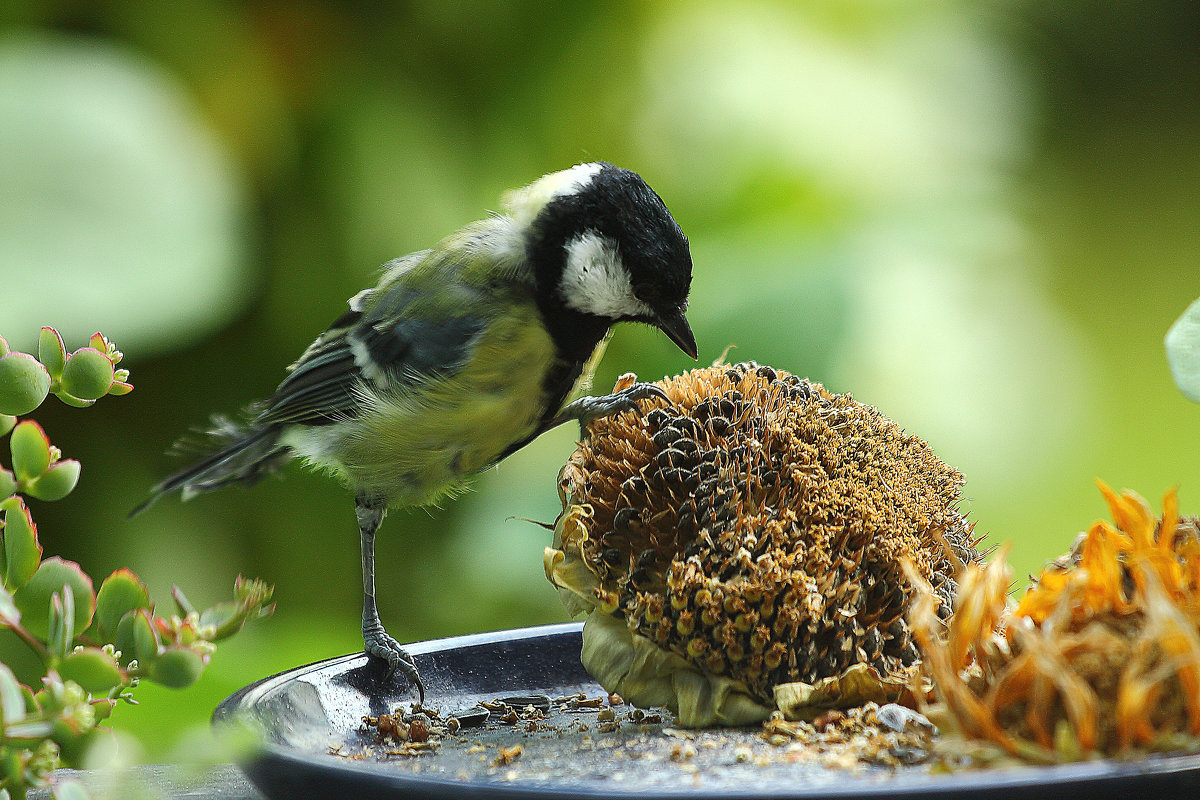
[(1101, 655), (739, 550)]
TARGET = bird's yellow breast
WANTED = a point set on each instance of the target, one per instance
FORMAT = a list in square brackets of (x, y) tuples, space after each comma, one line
[(415, 440)]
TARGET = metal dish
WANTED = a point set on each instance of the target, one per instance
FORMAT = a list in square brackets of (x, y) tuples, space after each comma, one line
[(315, 745)]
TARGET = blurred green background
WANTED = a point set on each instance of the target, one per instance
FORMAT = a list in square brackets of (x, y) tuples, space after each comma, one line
[(980, 217)]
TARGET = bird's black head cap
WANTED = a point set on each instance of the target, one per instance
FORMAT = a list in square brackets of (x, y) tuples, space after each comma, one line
[(607, 249)]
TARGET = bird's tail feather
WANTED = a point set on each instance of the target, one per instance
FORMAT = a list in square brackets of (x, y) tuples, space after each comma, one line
[(238, 454)]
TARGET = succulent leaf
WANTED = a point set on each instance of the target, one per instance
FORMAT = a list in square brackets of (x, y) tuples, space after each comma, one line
[(8, 483), (62, 618), (15, 653), (88, 374), (122, 639), (51, 352), (12, 698), (93, 669), (73, 401), (177, 668), (4, 348), (182, 604), (221, 616), (55, 629), (30, 450), (252, 591), (120, 593), (7, 423), (22, 552), (55, 483), (9, 615), (146, 643), (24, 383), (104, 708), (74, 730), (252, 600), (34, 598)]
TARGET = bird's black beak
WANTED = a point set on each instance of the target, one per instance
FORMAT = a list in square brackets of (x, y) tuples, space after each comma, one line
[(675, 326)]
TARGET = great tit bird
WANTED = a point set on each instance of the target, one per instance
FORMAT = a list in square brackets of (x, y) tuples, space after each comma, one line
[(464, 353)]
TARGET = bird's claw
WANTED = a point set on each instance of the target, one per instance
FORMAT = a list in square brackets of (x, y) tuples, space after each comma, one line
[(593, 408), (380, 644)]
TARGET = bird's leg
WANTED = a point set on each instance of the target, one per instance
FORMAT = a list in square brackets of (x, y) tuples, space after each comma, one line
[(586, 409), (376, 640)]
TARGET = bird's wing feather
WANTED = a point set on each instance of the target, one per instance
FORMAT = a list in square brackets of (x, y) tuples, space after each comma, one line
[(421, 346), (320, 388), (388, 338)]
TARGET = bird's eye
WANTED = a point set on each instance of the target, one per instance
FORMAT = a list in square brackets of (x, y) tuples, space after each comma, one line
[(646, 292)]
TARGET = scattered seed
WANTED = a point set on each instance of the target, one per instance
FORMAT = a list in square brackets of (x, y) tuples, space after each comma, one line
[(508, 755)]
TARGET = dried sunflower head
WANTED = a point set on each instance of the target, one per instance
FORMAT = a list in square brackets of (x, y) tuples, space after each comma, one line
[(740, 549), (1100, 656)]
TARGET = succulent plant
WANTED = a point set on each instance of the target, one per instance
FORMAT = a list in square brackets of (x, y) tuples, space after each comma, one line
[(739, 550), (1101, 656), (70, 653), (78, 379)]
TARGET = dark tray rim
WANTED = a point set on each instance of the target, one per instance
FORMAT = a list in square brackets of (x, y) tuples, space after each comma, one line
[(1153, 776)]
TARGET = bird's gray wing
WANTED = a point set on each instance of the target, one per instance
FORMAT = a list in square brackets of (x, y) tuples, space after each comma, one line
[(320, 387), (390, 345)]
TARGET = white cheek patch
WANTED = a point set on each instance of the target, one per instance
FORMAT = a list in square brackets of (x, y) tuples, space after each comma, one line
[(595, 282)]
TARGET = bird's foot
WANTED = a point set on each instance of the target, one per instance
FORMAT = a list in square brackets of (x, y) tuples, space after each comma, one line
[(587, 409), (377, 642)]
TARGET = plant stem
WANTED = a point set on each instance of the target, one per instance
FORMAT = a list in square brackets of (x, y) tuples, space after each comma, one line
[(34, 645)]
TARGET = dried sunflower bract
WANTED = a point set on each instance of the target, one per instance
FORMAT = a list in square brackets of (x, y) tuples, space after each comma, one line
[(739, 549), (1101, 656)]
